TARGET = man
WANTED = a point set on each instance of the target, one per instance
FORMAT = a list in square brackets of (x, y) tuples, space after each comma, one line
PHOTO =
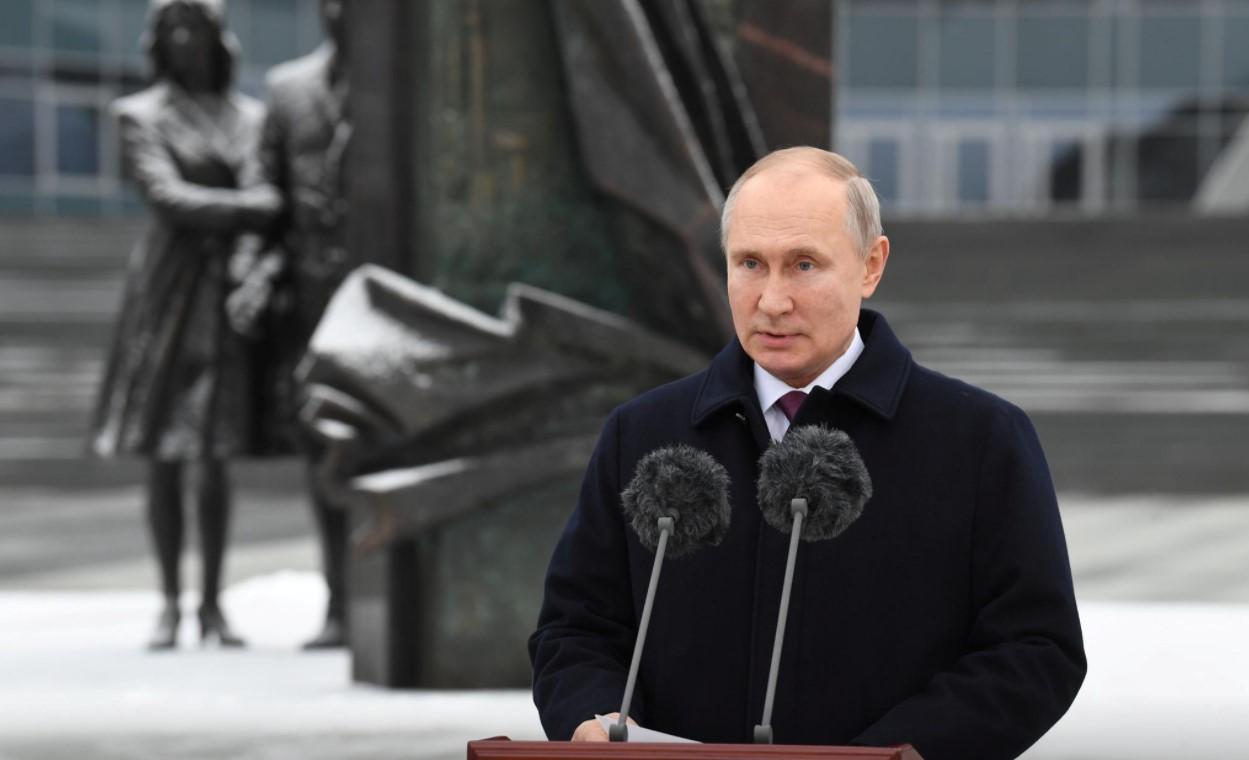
[(302, 150), (943, 618)]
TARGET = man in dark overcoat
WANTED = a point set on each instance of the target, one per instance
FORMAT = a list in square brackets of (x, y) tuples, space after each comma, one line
[(302, 151), (944, 617)]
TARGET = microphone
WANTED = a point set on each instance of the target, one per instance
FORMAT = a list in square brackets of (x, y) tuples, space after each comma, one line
[(677, 502), (812, 485)]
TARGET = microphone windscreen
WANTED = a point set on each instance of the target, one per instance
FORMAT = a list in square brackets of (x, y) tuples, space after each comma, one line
[(819, 464), (686, 484)]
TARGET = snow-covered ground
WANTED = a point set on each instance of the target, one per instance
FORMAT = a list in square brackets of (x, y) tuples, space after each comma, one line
[(1165, 681), (75, 682), (1163, 583)]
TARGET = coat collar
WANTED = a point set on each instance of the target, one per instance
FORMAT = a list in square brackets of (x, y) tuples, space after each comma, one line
[(876, 380)]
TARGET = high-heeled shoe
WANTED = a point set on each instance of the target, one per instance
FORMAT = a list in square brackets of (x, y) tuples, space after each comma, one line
[(166, 634), (213, 625)]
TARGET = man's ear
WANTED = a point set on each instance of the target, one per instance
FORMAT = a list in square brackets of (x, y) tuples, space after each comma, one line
[(874, 265)]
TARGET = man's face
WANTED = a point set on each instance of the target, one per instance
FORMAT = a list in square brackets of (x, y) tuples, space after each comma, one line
[(795, 277)]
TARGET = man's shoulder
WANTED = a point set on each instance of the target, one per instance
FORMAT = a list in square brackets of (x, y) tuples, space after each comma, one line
[(670, 403), (940, 395), (295, 74)]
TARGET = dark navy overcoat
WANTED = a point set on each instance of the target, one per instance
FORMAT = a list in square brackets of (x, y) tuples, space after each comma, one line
[(943, 618)]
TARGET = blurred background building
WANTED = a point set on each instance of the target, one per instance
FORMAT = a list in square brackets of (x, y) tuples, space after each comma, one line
[(957, 107), (1028, 107), (63, 61)]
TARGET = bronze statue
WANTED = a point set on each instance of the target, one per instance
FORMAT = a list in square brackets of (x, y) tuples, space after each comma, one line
[(302, 153), (587, 154), (176, 389)]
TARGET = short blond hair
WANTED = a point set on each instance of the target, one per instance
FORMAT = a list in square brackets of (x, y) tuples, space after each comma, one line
[(862, 205)]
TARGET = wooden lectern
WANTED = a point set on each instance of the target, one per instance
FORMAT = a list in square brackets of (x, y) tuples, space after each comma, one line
[(505, 749)]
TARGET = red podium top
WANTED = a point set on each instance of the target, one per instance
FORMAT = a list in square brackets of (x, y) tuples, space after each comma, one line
[(504, 749)]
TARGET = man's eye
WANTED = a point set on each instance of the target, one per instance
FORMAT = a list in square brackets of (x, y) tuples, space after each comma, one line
[(750, 263), (806, 266)]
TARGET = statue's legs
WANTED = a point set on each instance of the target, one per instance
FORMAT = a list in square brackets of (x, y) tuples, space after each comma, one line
[(332, 529), (213, 494), (164, 519)]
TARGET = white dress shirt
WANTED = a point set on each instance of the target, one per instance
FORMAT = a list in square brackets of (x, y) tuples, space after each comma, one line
[(770, 388)]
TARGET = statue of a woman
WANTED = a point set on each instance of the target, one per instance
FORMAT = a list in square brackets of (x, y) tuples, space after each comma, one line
[(176, 390)]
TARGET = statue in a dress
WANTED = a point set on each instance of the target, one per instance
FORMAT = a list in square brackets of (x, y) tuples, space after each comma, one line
[(177, 388)]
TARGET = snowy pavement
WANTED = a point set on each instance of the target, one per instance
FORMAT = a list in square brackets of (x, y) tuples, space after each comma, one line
[(1166, 680), (1163, 583), (76, 684)]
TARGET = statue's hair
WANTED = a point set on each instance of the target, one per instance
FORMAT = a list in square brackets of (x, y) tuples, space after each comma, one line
[(862, 205), (225, 45)]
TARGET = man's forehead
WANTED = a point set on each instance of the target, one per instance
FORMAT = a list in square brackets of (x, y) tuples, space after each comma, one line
[(789, 198), (794, 172), (789, 194)]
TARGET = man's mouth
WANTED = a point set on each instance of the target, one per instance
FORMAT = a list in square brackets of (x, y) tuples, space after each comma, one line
[(775, 338)]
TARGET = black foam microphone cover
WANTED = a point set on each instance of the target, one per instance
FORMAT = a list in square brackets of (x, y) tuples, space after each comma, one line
[(684, 483), (822, 465)]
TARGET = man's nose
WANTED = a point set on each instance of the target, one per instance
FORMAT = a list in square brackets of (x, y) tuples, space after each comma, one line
[(775, 300)]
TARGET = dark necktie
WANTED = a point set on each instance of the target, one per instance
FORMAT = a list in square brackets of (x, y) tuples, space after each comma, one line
[(790, 402)]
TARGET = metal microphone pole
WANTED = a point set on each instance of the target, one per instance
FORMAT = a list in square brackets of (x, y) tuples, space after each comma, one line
[(763, 731), (619, 731)]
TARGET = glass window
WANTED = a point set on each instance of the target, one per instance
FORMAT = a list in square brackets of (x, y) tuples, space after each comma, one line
[(77, 25), (131, 24), (970, 105), (78, 205), (308, 30), (1170, 52), (967, 51), (17, 23), (883, 168), (270, 36), (1053, 51), (1235, 30), (131, 202), (1167, 165), (973, 171), (1066, 171), (882, 50), (893, 104), (17, 137), (17, 203), (77, 140)]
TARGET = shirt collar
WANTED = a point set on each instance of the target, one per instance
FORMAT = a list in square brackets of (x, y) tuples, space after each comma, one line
[(769, 388), (876, 381)]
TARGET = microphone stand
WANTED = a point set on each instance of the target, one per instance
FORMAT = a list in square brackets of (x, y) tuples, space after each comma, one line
[(763, 731), (619, 731)]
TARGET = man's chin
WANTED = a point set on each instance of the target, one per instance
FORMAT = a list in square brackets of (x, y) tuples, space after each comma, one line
[(789, 372)]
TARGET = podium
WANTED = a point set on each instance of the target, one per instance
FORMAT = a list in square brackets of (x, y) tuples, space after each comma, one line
[(505, 749)]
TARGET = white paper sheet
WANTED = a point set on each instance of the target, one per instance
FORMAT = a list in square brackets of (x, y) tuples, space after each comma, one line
[(639, 735)]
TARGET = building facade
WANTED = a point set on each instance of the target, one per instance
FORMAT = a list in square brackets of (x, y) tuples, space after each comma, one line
[(960, 107), (63, 61)]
